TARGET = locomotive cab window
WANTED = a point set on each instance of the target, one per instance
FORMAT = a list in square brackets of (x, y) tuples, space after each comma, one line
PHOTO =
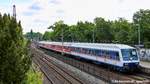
[(129, 54)]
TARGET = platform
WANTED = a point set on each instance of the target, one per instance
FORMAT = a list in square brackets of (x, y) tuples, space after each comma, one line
[(145, 64), (145, 67)]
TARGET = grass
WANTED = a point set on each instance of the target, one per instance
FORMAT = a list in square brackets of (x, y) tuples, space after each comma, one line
[(33, 77)]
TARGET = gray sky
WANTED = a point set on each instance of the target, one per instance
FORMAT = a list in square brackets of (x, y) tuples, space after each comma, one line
[(39, 14)]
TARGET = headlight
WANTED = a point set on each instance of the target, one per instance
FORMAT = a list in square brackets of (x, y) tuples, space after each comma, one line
[(125, 64), (137, 63)]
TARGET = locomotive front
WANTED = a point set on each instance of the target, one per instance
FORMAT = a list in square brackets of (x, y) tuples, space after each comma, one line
[(130, 59)]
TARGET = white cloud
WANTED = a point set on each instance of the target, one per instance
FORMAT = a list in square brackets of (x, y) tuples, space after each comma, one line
[(72, 11)]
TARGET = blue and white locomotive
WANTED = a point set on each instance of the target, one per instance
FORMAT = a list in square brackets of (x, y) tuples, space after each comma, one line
[(119, 56)]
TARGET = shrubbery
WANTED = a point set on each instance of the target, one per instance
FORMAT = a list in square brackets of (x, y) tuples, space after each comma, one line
[(14, 57)]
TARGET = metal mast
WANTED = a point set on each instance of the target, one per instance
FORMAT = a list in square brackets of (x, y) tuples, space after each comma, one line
[(14, 11), (139, 39), (62, 40)]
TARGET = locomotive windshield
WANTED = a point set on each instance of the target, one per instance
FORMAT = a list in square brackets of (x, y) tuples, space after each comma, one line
[(129, 54)]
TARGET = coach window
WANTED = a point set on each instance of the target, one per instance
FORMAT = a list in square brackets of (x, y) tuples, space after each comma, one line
[(110, 54), (107, 55), (75, 49), (113, 55), (103, 53), (96, 52), (92, 50), (72, 49), (88, 51), (83, 50), (78, 50), (99, 53), (117, 56)]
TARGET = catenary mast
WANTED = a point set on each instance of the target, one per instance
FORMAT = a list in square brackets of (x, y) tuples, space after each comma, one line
[(14, 9)]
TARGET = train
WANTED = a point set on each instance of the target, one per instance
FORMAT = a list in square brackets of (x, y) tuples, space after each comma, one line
[(119, 56)]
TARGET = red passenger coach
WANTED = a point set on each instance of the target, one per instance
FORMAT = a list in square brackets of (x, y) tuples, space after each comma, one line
[(58, 48)]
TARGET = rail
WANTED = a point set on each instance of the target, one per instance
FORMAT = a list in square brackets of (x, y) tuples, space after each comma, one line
[(58, 73)]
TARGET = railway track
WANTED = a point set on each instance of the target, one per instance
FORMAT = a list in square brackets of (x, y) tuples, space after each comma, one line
[(102, 73), (50, 81), (54, 73)]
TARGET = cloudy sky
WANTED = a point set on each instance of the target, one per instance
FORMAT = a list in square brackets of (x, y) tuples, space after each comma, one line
[(39, 14)]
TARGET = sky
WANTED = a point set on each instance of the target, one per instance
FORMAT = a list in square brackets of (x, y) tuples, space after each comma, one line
[(38, 15)]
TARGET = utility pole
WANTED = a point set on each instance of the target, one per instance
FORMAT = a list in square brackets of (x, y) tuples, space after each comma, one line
[(93, 35), (62, 39), (31, 35), (38, 32), (139, 36)]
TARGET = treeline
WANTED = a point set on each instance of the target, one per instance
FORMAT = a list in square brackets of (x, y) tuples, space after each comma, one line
[(34, 35), (104, 31), (14, 60)]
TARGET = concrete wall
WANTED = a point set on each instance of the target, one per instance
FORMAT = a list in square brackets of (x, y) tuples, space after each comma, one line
[(144, 54)]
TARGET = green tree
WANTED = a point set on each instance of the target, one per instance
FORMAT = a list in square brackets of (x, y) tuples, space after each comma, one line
[(103, 30), (14, 60), (47, 35), (33, 35), (118, 31), (83, 31), (121, 30), (58, 29), (142, 19)]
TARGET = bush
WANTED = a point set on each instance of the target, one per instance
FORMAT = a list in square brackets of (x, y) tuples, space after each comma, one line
[(33, 77)]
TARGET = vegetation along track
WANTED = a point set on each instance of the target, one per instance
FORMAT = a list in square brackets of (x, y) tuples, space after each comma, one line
[(100, 72), (55, 73)]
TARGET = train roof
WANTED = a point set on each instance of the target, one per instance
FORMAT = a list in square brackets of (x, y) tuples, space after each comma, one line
[(91, 45)]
